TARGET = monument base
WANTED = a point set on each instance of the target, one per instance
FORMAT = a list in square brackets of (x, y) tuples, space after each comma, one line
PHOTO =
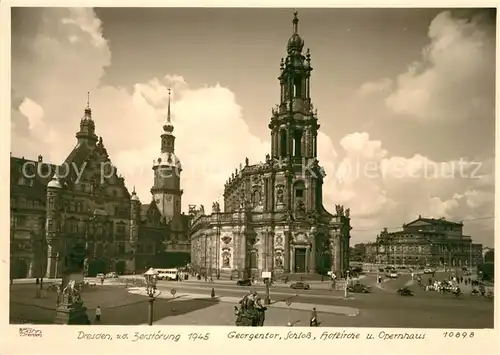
[(71, 314)]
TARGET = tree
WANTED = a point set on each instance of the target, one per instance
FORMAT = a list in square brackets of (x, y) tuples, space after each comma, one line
[(487, 271), (489, 256)]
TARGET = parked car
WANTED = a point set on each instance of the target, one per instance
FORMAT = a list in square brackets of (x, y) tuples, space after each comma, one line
[(111, 275), (359, 288), (244, 282), (100, 275), (300, 286), (428, 271)]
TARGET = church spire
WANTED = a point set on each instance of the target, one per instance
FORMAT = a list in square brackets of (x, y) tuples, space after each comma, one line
[(167, 137), (86, 134), (168, 113), (295, 22), (168, 128), (88, 111)]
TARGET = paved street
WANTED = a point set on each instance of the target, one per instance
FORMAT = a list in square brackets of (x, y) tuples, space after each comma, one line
[(382, 308)]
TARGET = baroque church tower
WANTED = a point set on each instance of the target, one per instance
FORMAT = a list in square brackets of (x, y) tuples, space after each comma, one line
[(167, 169), (294, 129)]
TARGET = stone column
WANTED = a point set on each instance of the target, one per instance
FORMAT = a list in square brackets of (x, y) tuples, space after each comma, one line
[(51, 262), (308, 258), (30, 268), (313, 259), (292, 260), (286, 252), (338, 255)]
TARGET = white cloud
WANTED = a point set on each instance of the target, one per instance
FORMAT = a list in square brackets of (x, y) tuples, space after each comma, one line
[(212, 137), (32, 111), (454, 79), (376, 87)]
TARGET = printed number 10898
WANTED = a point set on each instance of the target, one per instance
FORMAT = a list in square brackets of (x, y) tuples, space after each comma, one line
[(461, 335)]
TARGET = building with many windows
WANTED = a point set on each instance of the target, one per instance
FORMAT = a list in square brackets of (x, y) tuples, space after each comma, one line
[(84, 202), (273, 217), (425, 241)]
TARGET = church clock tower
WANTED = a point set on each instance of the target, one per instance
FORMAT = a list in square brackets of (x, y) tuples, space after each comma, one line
[(167, 169)]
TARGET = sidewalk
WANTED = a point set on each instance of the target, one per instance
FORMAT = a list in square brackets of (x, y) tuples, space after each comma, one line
[(222, 314), (347, 311)]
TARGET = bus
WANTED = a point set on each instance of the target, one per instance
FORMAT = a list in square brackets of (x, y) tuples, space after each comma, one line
[(168, 274)]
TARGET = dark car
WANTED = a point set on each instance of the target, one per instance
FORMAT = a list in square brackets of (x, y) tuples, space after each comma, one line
[(245, 282), (359, 288), (299, 286), (405, 291)]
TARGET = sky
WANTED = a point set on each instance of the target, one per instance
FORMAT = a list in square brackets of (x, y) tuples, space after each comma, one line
[(405, 100)]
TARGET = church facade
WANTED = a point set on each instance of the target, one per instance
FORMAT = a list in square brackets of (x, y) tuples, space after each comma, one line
[(273, 217), (84, 203)]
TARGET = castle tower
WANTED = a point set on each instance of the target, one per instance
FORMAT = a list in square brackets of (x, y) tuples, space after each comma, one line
[(53, 220), (167, 169), (135, 219), (86, 134), (294, 128)]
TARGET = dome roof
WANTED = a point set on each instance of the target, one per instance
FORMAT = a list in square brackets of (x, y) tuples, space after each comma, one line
[(295, 43), (54, 183), (167, 159), (168, 127)]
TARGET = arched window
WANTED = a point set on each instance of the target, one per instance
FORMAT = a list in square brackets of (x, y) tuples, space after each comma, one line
[(253, 259), (297, 87), (283, 143), (299, 188), (297, 143)]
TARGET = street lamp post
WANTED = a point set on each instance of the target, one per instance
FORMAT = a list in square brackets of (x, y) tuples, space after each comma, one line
[(205, 270), (150, 276), (267, 300)]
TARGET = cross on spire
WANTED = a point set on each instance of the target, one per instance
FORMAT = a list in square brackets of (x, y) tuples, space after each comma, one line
[(88, 99), (295, 22)]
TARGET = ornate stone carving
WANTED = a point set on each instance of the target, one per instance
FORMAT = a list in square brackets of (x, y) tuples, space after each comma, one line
[(226, 258), (278, 260), (339, 210), (226, 239), (300, 238), (280, 194), (215, 207), (348, 212), (279, 240)]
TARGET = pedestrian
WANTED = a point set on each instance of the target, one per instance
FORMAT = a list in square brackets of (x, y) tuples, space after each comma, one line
[(98, 314), (102, 280), (37, 281), (313, 322)]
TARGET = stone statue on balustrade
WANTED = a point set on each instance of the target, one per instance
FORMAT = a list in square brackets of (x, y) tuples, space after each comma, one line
[(339, 210)]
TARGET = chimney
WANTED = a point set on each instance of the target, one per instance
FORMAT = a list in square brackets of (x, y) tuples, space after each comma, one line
[(40, 158)]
